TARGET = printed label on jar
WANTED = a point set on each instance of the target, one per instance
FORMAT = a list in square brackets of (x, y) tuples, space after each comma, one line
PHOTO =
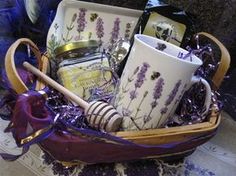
[(81, 80)]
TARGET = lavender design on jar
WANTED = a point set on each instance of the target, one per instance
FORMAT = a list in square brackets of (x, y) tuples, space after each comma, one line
[(115, 32), (141, 76), (81, 21), (69, 28), (157, 92), (169, 100), (100, 30)]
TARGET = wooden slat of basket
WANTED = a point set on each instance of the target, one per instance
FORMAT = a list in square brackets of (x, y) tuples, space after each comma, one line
[(44, 67), (163, 137), (161, 131), (213, 122)]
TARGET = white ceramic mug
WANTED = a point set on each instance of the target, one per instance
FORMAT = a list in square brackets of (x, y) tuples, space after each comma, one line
[(153, 82)]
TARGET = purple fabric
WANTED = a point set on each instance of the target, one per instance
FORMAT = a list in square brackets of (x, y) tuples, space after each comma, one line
[(25, 76)]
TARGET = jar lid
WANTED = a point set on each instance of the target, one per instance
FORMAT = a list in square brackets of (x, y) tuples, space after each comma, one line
[(76, 49)]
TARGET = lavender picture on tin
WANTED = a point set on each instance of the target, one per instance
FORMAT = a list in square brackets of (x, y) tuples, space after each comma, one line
[(100, 30), (115, 32), (81, 22)]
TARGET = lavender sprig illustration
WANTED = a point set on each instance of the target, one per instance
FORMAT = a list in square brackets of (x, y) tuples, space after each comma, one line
[(127, 31), (69, 28), (124, 88), (157, 92), (126, 113), (100, 30), (141, 75), (52, 45), (115, 32), (181, 94), (129, 80), (81, 21), (173, 93), (138, 83), (169, 99), (178, 99), (141, 102)]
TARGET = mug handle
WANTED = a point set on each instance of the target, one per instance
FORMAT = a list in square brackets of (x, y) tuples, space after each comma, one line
[(224, 61), (207, 101)]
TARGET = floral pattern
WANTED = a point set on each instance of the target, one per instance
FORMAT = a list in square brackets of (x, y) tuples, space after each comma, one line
[(115, 32), (69, 28), (157, 92), (127, 31), (100, 30), (141, 77), (169, 100), (191, 167), (138, 83), (53, 43), (86, 23), (131, 110), (81, 22)]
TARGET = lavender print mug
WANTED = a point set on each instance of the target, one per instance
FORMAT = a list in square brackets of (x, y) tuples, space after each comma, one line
[(153, 82)]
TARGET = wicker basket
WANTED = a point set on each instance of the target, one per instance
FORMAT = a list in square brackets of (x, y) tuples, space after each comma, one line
[(154, 143)]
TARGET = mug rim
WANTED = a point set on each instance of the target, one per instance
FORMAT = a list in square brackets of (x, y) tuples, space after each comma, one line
[(197, 60)]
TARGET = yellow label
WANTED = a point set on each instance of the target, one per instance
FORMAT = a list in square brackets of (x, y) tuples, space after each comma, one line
[(164, 28), (82, 79)]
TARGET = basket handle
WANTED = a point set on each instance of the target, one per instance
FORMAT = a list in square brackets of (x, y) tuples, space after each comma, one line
[(16, 82), (224, 61)]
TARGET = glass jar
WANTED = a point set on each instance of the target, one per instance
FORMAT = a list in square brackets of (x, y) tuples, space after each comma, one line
[(84, 71)]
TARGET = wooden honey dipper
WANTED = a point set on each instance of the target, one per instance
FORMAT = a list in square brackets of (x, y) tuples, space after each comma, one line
[(100, 115)]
